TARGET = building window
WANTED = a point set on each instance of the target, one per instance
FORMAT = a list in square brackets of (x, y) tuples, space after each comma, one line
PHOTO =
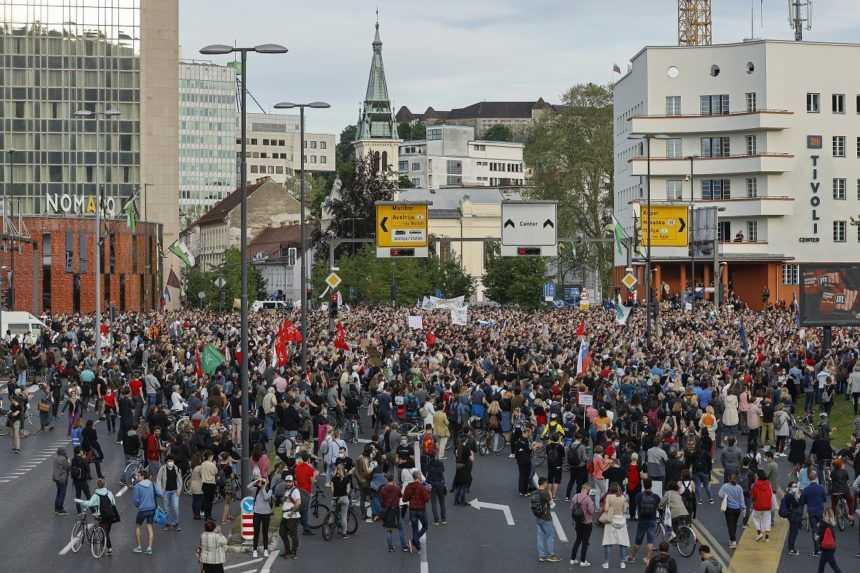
[(716, 189), (673, 148), (403, 165), (790, 274), (254, 169), (84, 254), (838, 102), (715, 147), (839, 231), (313, 144), (858, 104), (838, 146), (858, 147), (751, 103), (674, 189), (323, 159), (455, 167), (322, 145), (752, 231), (752, 187), (673, 105), (813, 103), (265, 142), (70, 252), (416, 166), (858, 189), (313, 158), (724, 231), (839, 188), (714, 104), (751, 145)]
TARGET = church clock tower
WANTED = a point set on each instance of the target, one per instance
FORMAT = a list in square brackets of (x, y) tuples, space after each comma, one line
[(376, 134)]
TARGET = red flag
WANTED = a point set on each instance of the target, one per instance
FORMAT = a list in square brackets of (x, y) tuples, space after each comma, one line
[(104, 329), (431, 338), (580, 328), (340, 339), (290, 333), (198, 365), (239, 357), (282, 351)]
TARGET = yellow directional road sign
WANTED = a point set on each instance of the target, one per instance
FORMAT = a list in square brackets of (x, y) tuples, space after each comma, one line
[(401, 225), (668, 226)]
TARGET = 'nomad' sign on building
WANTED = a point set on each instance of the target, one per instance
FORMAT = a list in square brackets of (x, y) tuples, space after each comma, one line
[(66, 204)]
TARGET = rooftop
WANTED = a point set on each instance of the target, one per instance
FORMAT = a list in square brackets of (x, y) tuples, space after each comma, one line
[(219, 211)]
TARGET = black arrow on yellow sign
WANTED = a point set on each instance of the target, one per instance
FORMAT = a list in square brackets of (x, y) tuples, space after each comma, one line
[(683, 224), (382, 224)]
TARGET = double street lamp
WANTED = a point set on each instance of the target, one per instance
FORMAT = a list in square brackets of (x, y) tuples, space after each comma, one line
[(96, 115), (304, 271), (221, 49)]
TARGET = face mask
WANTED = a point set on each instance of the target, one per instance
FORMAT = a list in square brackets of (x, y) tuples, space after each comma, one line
[(170, 465)]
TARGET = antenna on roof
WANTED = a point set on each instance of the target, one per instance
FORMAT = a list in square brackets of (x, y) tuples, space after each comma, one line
[(800, 17)]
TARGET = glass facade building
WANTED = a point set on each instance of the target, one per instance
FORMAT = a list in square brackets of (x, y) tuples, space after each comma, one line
[(58, 57), (207, 131)]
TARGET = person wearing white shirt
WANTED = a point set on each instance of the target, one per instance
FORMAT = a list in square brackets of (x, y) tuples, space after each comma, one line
[(177, 402)]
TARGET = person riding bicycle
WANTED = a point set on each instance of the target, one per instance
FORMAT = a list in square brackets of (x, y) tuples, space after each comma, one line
[(840, 485), (674, 502), (103, 503)]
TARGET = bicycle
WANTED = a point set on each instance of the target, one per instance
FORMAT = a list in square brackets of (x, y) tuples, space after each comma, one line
[(130, 471), (317, 511), (684, 538), (351, 430), (92, 532), (331, 522), (841, 511)]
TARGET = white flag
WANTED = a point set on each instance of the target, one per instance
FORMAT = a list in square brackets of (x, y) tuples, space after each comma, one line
[(415, 322), (460, 315)]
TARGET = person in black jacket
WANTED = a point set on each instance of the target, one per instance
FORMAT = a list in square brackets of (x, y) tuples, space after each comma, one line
[(436, 479), (91, 447), (80, 473), (791, 508), (125, 407), (523, 455)]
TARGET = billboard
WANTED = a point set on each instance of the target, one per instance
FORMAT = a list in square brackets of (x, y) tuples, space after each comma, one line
[(830, 294)]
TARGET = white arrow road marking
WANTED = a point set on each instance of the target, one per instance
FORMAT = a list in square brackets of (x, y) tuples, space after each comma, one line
[(506, 509), (424, 567), (559, 530), (244, 563), (267, 566)]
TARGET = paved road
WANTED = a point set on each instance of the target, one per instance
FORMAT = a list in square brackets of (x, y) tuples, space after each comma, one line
[(474, 540)]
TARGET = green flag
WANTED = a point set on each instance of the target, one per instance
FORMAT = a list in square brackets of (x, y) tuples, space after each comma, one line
[(179, 249), (210, 359), (130, 214), (619, 235)]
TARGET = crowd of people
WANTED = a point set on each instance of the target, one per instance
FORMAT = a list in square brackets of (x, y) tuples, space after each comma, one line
[(635, 425)]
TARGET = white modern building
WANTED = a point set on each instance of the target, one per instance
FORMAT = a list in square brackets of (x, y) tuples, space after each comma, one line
[(273, 143), (207, 132), (450, 156), (769, 132)]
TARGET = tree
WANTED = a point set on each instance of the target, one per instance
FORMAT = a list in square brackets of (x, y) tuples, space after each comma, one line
[(499, 132), (404, 130), (403, 182), (419, 131), (570, 153), (197, 281), (370, 279), (355, 207), (345, 153), (515, 280)]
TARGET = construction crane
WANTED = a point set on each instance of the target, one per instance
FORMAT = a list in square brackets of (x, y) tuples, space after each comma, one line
[(694, 22)]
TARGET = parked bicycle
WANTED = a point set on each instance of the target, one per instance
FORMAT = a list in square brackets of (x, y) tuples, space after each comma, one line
[(131, 469), (85, 529), (331, 522)]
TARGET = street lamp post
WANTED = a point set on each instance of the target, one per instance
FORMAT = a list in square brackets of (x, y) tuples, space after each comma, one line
[(692, 239), (648, 246), (304, 270), (88, 114), (221, 49)]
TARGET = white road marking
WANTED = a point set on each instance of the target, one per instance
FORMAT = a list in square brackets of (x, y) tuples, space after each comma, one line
[(122, 491), (506, 509), (244, 563), (559, 530), (68, 546), (424, 567), (267, 566), (723, 557)]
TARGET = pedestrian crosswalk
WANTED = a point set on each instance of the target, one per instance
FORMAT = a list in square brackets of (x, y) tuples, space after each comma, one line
[(32, 462)]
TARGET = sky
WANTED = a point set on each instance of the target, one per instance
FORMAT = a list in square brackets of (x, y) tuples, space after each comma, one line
[(452, 53)]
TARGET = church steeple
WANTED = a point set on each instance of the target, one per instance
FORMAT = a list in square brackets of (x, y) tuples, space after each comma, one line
[(377, 120)]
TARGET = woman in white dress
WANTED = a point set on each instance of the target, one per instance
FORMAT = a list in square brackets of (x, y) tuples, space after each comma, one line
[(615, 525), (730, 414)]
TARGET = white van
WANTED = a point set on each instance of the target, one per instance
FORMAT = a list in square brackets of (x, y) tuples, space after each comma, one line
[(21, 324), (259, 305)]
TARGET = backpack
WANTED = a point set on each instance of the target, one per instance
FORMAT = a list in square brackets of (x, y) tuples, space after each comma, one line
[(576, 511), (778, 422), (648, 502), (107, 510), (661, 565), (689, 496), (828, 540), (784, 512), (553, 457), (77, 472), (573, 457), (538, 505)]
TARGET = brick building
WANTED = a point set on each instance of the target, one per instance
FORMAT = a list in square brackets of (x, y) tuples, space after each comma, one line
[(55, 273)]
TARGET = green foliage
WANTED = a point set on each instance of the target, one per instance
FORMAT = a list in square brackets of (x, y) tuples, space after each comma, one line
[(317, 187), (345, 154), (370, 278), (404, 130), (419, 131), (231, 270), (515, 280), (355, 208), (570, 154), (403, 182), (499, 132)]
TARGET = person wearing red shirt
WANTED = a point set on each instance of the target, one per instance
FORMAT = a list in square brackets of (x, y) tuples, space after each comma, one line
[(762, 502), (110, 409), (305, 476), (389, 499), (417, 496), (154, 449)]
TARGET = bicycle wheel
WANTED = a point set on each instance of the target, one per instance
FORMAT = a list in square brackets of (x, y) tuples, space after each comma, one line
[(98, 542), (685, 541), (483, 448), (328, 526), (77, 539), (351, 522), (317, 514), (842, 515), (186, 484)]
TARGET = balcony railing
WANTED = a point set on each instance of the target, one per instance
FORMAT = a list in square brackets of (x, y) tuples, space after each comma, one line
[(760, 120), (698, 158), (730, 114)]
